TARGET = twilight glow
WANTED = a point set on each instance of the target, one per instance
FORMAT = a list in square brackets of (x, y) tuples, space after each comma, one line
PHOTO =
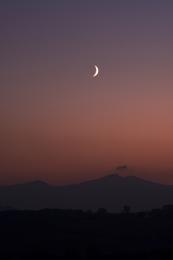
[(61, 125)]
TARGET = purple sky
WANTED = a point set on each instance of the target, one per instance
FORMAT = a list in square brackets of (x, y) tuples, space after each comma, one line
[(58, 123)]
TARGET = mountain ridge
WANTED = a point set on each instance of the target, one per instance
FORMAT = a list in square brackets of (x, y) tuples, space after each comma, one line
[(111, 192), (105, 177)]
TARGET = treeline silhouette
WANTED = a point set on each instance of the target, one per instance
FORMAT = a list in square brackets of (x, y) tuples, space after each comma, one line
[(75, 234)]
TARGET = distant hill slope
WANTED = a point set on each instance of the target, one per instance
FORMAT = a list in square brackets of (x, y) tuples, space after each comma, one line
[(111, 192)]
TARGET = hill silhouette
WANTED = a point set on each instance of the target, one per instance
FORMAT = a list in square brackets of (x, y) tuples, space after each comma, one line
[(111, 192)]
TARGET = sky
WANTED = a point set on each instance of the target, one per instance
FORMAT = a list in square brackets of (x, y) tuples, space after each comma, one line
[(58, 123)]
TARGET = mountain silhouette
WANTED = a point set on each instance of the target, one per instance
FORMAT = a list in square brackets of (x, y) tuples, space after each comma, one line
[(111, 192)]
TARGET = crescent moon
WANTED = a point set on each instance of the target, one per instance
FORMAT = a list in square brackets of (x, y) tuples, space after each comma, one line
[(96, 71)]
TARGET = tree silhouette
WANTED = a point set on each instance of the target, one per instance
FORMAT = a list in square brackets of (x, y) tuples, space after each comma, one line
[(126, 209)]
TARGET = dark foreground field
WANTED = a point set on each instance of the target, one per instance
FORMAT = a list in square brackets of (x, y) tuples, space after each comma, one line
[(67, 234)]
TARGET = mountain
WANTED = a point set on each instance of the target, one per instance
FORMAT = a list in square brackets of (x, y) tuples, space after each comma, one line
[(111, 192)]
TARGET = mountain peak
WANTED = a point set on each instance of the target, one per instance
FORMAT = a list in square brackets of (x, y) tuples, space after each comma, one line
[(114, 177)]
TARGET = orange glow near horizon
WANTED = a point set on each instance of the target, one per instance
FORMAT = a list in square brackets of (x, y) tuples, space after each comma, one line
[(60, 125)]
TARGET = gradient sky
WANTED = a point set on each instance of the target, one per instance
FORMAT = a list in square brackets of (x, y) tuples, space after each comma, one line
[(60, 125)]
